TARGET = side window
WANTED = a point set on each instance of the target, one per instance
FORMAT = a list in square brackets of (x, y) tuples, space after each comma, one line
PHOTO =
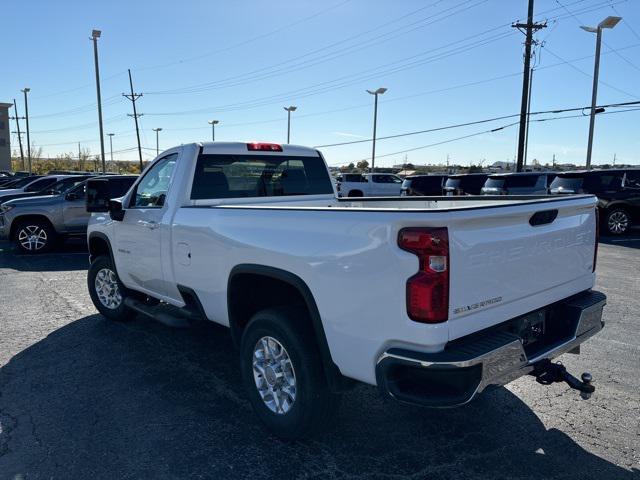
[(376, 178), (151, 192), (632, 179), (40, 185), (395, 179)]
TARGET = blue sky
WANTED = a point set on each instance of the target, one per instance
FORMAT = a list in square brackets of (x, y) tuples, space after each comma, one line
[(444, 62)]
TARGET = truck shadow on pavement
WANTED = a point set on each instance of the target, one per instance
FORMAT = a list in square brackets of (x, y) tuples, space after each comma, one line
[(97, 399)]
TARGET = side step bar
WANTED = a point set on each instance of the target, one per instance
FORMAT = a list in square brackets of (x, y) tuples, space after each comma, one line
[(168, 315)]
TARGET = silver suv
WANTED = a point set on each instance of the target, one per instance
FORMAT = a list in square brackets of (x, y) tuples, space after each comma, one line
[(36, 223)]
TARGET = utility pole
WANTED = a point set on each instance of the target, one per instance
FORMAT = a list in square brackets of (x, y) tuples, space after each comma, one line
[(111, 145), (95, 35), (79, 156), (133, 97), (17, 119), (526, 138), (528, 29), (157, 130), (26, 114), (614, 159)]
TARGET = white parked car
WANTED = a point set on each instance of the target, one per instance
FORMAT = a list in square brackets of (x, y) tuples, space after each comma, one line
[(431, 300), (370, 185)]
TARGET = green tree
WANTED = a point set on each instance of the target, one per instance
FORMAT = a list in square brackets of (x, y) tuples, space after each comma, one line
[(362, 165)]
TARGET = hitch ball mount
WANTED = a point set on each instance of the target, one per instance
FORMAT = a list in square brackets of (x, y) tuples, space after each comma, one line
[(547, 372)]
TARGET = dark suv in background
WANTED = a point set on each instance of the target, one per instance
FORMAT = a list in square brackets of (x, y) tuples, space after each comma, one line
[(618, 192), (518, 183), (423, 185), (464, 184)]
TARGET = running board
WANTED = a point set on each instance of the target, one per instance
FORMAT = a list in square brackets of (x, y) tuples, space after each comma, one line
[(166, 314)]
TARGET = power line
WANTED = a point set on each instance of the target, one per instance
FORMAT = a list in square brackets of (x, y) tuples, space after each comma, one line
[(246, 42), (580, 23), (476, 122), (493, 130), (249, 77), (578, 69)]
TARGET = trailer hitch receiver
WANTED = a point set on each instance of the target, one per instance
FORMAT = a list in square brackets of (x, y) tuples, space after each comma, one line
[(547, 372)]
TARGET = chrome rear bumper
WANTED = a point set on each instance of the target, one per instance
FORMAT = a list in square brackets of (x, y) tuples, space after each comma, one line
[(497, 356)]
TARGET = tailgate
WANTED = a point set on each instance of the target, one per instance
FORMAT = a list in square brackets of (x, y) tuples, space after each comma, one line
[(502, 266)]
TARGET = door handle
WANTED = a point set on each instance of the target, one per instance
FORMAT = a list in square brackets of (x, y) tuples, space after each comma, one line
[(151, 225)]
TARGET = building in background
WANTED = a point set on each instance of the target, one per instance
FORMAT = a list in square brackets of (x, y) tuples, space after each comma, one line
[(5, 137)]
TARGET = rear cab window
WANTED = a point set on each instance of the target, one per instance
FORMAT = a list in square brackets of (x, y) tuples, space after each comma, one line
[(243, 176)]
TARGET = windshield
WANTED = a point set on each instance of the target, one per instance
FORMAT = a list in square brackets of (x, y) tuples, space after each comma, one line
[(453, 183), (20, 183), (63, 185), (494, 183), (566, 183)]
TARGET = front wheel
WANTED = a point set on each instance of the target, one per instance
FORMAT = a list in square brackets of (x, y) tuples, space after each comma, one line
[(283, 375), (34, 236), (617, 221), (106, 291)]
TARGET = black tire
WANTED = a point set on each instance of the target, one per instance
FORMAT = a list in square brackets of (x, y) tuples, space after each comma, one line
[(34, 236), (118, 313), (355, 193), (617, 221), (314, 403)]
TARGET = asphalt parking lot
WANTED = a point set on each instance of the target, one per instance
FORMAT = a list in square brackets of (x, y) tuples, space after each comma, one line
[(82, 397)]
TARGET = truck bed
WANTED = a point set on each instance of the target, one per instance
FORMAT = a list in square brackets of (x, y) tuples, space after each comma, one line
[(346, 250)]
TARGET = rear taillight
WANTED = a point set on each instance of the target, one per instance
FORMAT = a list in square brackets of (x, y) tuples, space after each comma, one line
[(595, 248), (264, 147), (428, 290)]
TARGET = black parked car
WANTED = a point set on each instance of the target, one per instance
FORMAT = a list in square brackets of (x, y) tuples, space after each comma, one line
[(524, 183), (618, 192), (464, 184), (423, 185)]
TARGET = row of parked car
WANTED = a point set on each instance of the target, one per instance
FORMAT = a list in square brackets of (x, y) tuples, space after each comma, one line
[(618, 190), (37, 211)]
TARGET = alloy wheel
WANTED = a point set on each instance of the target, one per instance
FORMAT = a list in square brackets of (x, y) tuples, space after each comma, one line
[(32, 238), (618, 222), (107, 288), (274, 375)]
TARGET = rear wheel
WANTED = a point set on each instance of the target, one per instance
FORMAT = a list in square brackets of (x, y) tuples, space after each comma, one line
[(106, 291), (34, 236), (617, 221), (283, 375)]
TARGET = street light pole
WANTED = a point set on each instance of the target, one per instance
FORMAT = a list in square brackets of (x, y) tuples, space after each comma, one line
[(289, 109), (26, 114), (95, 34), (157, 130), (608, 22), (375, 93), (213, 124), (111, 145)]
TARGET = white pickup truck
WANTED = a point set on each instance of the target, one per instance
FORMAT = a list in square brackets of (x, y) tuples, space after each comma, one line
[(369, 185), (432, 300)]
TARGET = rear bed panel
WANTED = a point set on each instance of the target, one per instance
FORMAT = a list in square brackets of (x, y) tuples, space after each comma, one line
[(503, 267)]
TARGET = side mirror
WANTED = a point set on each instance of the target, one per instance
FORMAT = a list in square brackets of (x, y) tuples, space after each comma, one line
[(116, 212), (97, 198), (71, 196)]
